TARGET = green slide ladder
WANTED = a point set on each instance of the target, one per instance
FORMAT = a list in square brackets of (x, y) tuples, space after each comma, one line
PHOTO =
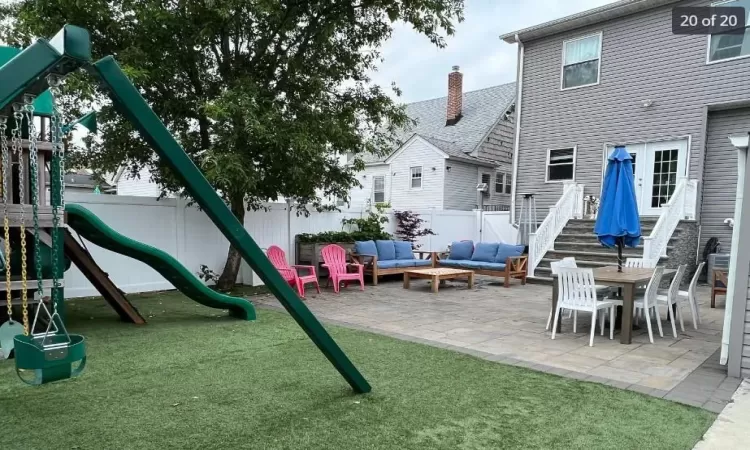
[(69, 51), (88, 225)]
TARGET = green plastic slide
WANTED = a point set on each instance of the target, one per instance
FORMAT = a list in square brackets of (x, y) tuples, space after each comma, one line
[(88, 225)]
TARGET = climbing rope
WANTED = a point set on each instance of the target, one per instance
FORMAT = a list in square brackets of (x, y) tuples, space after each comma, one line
[(18, 152)]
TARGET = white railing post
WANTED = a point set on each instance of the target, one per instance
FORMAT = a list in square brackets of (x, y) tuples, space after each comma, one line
[(566, 208), (532, 259), (680, 205)]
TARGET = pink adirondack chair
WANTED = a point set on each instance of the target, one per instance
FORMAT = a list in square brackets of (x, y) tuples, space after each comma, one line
[(291, 273), (334, 258)]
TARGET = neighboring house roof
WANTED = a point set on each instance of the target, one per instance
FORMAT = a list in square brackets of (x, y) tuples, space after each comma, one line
[(83, 180), (479, 113), (607, 12)]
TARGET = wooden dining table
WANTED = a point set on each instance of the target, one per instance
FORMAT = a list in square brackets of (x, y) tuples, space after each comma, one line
[(626, 281)]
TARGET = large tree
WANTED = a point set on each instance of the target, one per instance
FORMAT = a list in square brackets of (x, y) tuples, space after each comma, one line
[(262, 94)]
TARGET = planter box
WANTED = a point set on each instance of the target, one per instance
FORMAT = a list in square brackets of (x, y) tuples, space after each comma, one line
[(309, 254)]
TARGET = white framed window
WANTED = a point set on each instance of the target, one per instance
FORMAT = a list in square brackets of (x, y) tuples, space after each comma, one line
[(561, 164), (416, 177), (502, 183), (378, 189), (581, 61), (499, 183), (729, 46)]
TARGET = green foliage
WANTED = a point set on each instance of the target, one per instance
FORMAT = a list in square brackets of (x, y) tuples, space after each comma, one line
[(373, 223), (342, 236), (261, 94)]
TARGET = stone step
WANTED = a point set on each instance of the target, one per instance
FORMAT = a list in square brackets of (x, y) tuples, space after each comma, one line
[(581, 227), (577, 236), (588, 245), (604, 255), (540, 280)]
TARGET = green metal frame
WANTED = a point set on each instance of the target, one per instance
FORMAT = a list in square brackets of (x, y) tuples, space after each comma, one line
[(129, 102), (69, 50)]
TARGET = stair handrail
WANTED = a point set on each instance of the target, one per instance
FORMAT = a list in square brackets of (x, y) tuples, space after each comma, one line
[(677, 208), (569, 206)]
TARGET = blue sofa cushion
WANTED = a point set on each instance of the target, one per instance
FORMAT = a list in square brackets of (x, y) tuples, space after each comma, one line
[(413, 263), (386, 250), (506, 250), (485, 252), (403, 250), (450, 262), (388, 264), (365, 248), (462, 250), (488, 266)]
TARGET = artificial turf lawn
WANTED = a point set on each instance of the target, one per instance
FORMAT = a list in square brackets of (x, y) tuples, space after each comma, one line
[(194, 378)]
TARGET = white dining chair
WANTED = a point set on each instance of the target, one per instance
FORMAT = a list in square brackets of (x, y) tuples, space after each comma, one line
[(648, 302), (690, 296), (577, 291), (670, 298), (641, 263), (555, 269)]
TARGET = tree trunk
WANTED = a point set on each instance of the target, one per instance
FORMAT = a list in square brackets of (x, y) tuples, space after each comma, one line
[(228, 277)]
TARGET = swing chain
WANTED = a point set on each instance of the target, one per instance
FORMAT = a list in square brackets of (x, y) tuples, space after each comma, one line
[(18, 151), (55, 81), (34, 189), (7, 174)]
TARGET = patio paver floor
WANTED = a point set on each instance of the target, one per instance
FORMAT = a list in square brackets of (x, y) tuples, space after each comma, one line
[(507, 325)]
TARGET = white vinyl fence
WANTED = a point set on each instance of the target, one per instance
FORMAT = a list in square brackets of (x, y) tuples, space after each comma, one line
[(189, 235)]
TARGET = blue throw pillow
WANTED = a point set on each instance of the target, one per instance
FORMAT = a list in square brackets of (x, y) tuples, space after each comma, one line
[(386, 250), (485, 252), (365, 248), (506, 250), (462, 250), (403, 250)]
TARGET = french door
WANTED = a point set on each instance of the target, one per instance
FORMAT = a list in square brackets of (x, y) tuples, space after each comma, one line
[(656, 168)]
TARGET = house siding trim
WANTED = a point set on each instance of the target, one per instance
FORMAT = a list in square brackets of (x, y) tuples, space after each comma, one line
[(739, 264), (517, 137)]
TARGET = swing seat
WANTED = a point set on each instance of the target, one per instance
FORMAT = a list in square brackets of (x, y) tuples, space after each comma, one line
[(51, 362)]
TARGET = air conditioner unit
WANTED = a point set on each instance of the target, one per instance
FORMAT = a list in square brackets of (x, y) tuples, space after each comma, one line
[(483, 187)]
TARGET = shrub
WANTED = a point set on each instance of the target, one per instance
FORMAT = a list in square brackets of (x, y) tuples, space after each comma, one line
[(409, 227)]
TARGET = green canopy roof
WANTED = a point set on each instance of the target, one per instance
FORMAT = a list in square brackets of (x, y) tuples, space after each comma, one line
[(43, 103)]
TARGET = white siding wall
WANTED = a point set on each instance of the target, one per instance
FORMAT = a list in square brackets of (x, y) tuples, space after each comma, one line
[(141, 186), (359, 196), (461, 185), (430, 195)]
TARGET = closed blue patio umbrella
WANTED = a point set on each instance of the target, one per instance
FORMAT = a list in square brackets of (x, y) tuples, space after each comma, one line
[(618, 223)]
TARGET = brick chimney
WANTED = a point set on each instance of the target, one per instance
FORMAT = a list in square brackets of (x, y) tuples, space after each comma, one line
[(455, 96)]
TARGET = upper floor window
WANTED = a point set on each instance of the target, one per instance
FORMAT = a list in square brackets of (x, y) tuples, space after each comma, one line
[(416, 177), (581, 61), (561, 164), (486, 178), (723, 46), (378, 189), (502, 183)]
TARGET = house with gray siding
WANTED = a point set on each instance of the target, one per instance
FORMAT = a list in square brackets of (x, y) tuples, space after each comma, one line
[(458, 143), (617, 75)]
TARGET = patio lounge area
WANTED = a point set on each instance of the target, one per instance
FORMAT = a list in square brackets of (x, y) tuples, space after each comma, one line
[(508, 326)]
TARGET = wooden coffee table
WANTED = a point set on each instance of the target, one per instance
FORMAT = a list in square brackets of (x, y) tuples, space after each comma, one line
[(437, 275)]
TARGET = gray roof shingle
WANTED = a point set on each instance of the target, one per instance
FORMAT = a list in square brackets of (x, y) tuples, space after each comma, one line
[(481, 109)]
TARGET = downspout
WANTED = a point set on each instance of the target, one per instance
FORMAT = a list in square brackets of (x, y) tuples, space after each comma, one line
[(737, 283), (517, 143)]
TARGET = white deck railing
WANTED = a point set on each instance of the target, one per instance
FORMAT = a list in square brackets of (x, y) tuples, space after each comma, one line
[(568, 207), (681, 206)]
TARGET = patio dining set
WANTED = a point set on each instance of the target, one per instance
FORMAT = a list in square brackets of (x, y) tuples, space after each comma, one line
[(634, 290)]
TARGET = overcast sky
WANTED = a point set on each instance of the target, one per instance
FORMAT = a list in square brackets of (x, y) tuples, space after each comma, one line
[(421, 70)]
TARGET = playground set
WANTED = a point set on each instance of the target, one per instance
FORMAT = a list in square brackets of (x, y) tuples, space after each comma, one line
[(37, 237)]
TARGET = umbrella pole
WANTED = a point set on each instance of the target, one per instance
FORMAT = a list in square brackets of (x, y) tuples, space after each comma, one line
[(619, 254)]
